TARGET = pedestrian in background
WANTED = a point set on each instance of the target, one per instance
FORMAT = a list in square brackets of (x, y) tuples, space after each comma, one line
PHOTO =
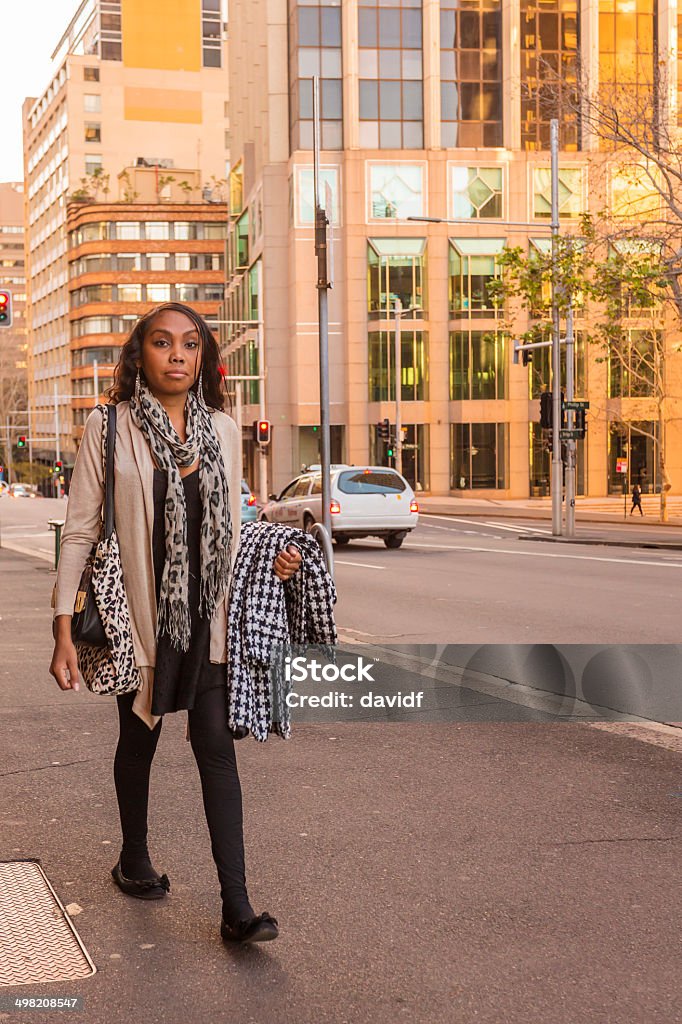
[(177, 513), (636, 500)]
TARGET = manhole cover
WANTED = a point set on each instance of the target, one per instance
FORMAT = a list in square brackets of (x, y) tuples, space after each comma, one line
[(38, 941)]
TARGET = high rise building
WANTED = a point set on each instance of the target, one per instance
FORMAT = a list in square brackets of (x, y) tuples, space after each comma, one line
[(13, 342), (433, 108), (135, 84)]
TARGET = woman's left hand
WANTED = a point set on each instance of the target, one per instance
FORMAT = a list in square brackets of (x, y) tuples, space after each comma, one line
[(287, 563)]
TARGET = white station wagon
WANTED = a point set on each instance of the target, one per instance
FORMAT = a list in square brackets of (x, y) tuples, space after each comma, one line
[(366, 501)]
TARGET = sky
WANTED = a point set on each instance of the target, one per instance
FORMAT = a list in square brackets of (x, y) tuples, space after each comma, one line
[(29, 39)]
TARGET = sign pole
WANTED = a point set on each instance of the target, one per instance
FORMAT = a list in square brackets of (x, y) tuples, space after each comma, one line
[(557, 464), (321, 223), (571, 444)]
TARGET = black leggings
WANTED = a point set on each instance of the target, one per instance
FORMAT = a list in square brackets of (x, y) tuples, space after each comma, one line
[(213, 748)]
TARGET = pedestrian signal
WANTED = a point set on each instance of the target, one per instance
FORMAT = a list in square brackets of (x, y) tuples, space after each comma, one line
[(383, 429), (21, 442)]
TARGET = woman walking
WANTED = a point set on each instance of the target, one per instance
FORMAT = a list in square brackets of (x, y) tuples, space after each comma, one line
[(177, 514)]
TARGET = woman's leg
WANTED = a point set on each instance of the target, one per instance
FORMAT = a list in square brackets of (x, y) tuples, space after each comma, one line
[(214, 751), (132, 765)]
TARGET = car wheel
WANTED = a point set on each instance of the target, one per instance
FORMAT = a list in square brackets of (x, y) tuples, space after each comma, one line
[(392, 541), (341, 540), (308, 522)]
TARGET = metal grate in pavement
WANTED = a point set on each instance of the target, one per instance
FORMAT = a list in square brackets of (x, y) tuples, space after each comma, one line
[(38, 942)]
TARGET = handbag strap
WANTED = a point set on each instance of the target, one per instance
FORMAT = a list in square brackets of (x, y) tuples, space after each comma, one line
[(109, 412)]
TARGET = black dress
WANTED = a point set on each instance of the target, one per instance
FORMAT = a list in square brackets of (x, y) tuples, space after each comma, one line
[(180, 676)]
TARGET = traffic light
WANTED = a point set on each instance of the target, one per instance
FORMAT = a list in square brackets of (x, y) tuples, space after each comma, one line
[(58, 466), (5, 308), (526, 357), (546, 410), (389, 451), (262, 431), (21, 442), (383, 429)]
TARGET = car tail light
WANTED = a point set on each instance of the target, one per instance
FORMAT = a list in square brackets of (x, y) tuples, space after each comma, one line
[(414, 506), (334, 506), (251, 499)]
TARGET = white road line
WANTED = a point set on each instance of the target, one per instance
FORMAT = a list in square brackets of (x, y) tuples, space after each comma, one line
[(363, 565), (26, 536), (543, 554), (517, 529)]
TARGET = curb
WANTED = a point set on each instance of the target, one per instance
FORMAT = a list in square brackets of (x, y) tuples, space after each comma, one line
[(31, 552), (604, 518), (595, 541)]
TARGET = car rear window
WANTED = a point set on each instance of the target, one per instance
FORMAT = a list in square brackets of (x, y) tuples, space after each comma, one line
[(372, 482)]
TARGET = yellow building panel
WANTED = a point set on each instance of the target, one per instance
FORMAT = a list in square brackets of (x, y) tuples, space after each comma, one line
[(162, 34), (175, 105)]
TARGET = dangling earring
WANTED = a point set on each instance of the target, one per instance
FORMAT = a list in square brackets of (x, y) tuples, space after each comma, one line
[(200, 388), (138, 385)]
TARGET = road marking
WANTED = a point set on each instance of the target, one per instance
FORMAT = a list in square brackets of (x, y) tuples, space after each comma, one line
[(516, 529), (46, 533), (544, 554), (363, 565)]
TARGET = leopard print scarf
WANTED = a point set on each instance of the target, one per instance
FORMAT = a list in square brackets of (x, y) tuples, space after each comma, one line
[(216, 529)]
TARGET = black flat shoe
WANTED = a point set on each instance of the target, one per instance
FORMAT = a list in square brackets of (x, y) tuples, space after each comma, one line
[(144, 889), (262, 928)]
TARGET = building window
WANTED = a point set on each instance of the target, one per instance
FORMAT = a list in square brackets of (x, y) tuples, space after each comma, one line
[(126, 230), (130, 293), (390, 74), (128, 261), (92, 164), (157, 230), (475, 192), (184, 230), (91, 74), (186, 292), (215, 229), (90, 293), (211, 31), (396, 191), (92, 103), (627, 50), (415, 454), (413, 369), (478, 456), (305, 194), (110, 29), (158, 261), (158, 293), (471, 73), (96, 231), (87, 356), (473, 266), (93, 132), (396, 269), (315, 50), (634, 365), (571, 192), (549, 56), (478, 365), (633, 193), (635, 441)]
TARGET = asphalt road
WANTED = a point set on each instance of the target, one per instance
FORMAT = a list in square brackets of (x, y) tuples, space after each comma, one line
[(462, 580)]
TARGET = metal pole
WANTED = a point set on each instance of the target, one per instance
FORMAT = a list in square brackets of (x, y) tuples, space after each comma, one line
[(263, 451), (557, 466), (321, 223), (398, 373), (571, 448), (58, 456), (10, 468), (30, 441), (95, 371), (238, 418)]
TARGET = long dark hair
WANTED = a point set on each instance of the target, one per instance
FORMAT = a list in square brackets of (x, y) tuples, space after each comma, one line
[(126, 369)]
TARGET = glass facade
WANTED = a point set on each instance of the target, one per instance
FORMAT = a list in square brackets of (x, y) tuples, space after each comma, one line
[(635, 441), (478, 456), (627, 53), (571, 192), (550, 43), (413, 366), (478, 365), (473, 266), (211, 31), (475, 192), (634, 365), (471, 72), (540, 463), (315, 50), (415, 454), (540, 368), (390, 74), (396, 191), (396, 269)]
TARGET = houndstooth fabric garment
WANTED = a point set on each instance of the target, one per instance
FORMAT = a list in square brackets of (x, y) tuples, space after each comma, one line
[(267, 615)]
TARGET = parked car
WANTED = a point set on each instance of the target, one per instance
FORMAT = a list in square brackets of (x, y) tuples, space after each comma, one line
[(22, 491), (249, 509), (365, 501)]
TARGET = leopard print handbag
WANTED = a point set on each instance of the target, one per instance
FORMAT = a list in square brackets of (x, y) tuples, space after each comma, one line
[(109, 670)]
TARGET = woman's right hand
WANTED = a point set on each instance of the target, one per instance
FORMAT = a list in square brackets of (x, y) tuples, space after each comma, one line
[(64, 664)]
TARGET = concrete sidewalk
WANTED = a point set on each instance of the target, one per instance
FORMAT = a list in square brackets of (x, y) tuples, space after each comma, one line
[(588, 510), (497, 872)]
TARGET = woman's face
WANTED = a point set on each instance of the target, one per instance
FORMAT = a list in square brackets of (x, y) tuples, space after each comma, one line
[(170, 354)]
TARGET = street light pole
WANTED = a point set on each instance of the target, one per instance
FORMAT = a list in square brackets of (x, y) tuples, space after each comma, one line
[(557, 465), (571, 447), (323, 312)]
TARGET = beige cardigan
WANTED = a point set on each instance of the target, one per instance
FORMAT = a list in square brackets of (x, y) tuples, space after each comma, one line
[(134, 517)]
